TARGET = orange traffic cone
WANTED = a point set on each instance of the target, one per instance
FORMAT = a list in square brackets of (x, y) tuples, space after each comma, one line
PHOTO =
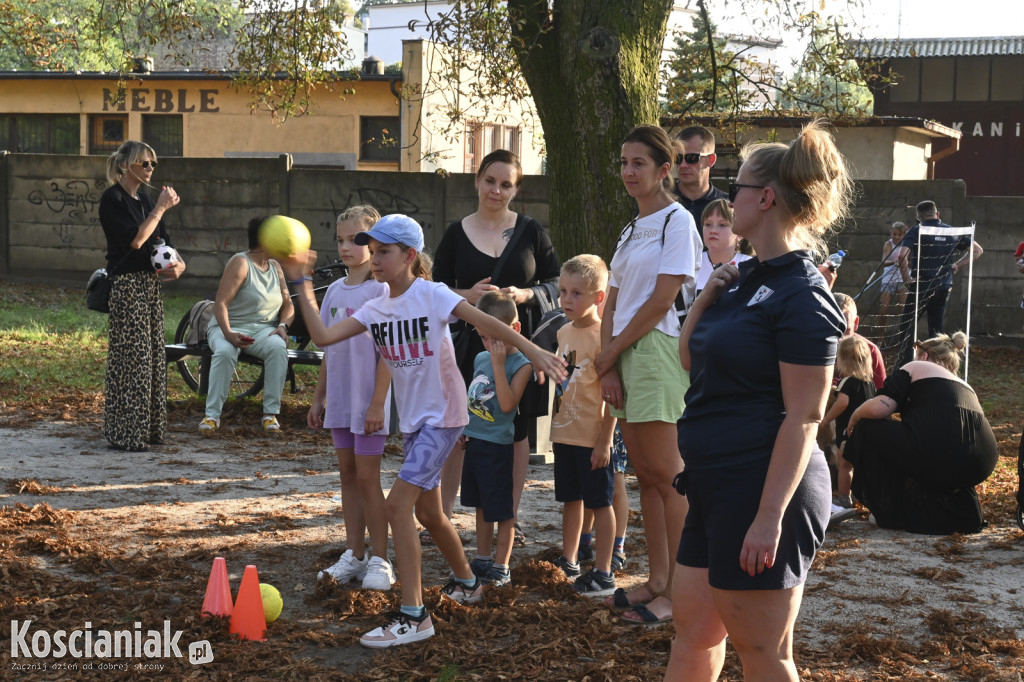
[(247, 619), (218, 591)]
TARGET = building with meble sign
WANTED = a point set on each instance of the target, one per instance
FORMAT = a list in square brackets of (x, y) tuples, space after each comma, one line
[(972, 85)]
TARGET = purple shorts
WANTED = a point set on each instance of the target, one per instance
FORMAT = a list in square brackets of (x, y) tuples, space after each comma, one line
[(363, 445), (426, 451)]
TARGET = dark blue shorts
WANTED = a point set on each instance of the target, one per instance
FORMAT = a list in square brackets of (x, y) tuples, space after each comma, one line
[(723, 503), (575, 480), (487, 479)]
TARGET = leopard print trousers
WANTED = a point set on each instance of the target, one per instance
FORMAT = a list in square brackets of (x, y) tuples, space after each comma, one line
[(136, 383)]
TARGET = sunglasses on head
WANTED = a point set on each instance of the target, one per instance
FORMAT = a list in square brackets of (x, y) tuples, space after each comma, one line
[(690, 158), (148, 164)]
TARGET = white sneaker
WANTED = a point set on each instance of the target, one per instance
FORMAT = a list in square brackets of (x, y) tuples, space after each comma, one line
[(379, 575), (840, 514), (456, 591), (400, 629), (347, 568), (209, 424)]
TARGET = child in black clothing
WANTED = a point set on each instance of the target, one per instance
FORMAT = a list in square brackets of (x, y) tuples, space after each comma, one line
[(853, 362)]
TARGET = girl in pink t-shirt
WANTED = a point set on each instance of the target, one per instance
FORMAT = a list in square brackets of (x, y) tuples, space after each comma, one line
[(410, 330), (351, 400)]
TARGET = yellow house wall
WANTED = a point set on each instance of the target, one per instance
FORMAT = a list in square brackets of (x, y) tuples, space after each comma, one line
[(433, 148), (216, 118)]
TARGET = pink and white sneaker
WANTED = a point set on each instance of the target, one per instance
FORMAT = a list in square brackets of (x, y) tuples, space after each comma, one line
[(401, 628)]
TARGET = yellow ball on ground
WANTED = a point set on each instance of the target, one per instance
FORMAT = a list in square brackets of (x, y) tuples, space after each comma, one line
[(283, 237), (272, 602)]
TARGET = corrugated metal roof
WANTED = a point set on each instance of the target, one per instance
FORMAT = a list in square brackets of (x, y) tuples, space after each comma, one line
[(939, 47)]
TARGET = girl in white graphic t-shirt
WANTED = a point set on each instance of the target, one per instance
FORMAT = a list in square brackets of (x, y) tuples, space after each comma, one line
[(410, 330), (350, 399)]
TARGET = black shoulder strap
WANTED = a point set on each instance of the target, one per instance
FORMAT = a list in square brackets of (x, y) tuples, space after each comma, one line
[(521, 221), (664, 228)]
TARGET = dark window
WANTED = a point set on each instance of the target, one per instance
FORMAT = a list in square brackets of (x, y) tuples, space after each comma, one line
[(42, 134), (107, 132), (163, 134), (379, 138)]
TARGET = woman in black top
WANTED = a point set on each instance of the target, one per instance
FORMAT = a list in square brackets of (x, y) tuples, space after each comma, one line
[(136, 381), (466, 259), (918, 474)]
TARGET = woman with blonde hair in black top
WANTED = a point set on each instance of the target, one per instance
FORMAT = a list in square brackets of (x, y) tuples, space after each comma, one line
[(135, 412)]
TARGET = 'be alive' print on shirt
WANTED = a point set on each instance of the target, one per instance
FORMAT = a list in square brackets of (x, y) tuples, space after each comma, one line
[(411, 334)]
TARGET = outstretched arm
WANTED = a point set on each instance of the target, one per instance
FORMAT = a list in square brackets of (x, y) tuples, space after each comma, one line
[(298, 269), (544, 363)]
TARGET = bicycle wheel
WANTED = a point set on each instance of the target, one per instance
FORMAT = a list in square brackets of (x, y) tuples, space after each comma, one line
[(247, 379)]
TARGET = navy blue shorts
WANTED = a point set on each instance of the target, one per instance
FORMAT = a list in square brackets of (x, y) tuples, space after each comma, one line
[(723, 503), (487, 479), (575, 480)]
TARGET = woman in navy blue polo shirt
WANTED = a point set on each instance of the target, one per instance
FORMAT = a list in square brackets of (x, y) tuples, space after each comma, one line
[(760, 342)]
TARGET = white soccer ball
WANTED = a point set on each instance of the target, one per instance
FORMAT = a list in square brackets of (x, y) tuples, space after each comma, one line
[(163, 256)]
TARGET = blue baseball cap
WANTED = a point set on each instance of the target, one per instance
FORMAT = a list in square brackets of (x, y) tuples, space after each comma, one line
[(394, 229)]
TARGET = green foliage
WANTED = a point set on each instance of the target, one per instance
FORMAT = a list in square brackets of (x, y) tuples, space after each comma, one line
[(829, 80), (101, 35), (287, 51), (702, 76)]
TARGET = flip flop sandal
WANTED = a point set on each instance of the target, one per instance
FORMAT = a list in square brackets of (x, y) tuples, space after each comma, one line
[(647, 617), (425, 538), (519, 539), (620, 599)]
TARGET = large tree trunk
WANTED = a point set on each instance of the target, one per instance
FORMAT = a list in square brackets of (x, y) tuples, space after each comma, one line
[(592, 66)]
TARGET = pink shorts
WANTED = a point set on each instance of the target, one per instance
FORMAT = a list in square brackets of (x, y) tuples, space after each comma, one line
[(362, 444)]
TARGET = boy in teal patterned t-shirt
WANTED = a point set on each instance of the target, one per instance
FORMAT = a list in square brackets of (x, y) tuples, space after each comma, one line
[(500, 375)]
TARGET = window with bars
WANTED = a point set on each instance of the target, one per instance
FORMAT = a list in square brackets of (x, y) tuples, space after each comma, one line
[(107, 132), (164, 134), (40, 134)]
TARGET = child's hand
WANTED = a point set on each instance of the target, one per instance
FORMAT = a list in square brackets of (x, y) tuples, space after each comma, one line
[(498, 351), (374, 419), (298, 265), (315, 416), (547, 364), (600, 458)]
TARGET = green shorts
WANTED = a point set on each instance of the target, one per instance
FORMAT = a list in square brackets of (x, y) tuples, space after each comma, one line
[(653, 381)]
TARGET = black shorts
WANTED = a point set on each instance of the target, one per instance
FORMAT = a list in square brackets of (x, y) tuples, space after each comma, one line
[(575, 480), (487, 479), (723, 503)]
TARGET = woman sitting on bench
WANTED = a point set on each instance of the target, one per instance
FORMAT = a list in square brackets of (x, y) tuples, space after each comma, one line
[(252, 312)]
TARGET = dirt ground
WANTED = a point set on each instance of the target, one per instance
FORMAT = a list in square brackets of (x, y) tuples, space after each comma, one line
[(96, 539)]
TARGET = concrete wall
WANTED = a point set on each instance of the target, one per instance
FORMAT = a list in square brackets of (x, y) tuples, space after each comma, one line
[(49, 223), (996, 285)]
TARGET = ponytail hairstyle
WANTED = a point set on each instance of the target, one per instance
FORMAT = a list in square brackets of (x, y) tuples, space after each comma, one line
[(811, 180), (945, 351), (421, 267), (853, 358), (126, 155), (364, 216), (660, 147)]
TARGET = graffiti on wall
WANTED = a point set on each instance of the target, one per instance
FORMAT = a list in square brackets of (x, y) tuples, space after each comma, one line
[(75, 202), (384, 201)]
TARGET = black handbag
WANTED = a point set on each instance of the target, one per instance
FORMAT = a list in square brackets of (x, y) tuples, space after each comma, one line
[(97, 290)]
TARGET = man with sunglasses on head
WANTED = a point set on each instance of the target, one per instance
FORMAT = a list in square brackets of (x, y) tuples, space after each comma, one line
[(695, 155)]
